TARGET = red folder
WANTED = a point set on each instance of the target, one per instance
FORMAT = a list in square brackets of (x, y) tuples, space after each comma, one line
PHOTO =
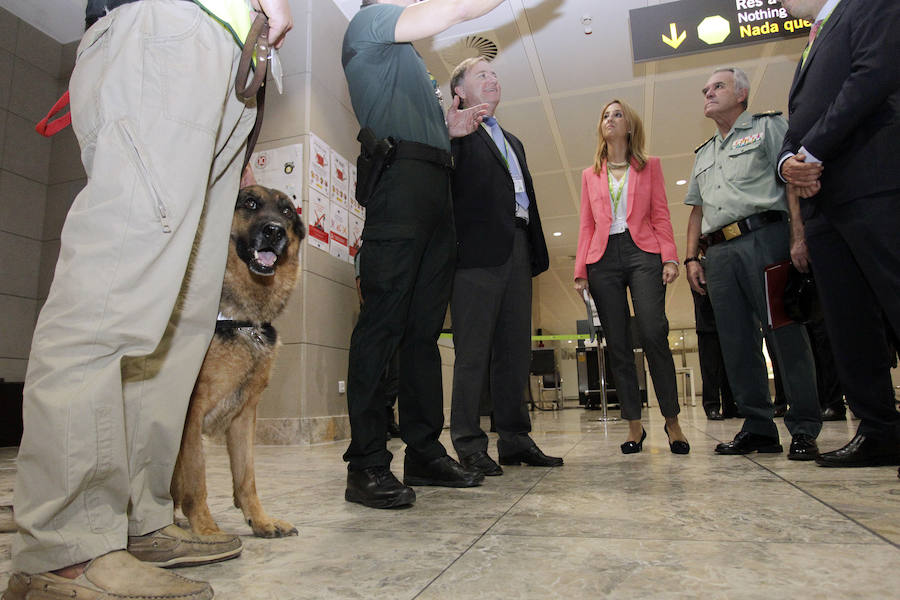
[(776, 279)]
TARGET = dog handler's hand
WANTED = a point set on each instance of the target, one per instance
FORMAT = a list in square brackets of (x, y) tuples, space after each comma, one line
[(696, 277), (581, 284), (280, 20), (462, 122)]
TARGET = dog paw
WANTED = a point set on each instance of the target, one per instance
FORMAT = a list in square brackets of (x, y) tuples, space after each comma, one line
[(274, 528)]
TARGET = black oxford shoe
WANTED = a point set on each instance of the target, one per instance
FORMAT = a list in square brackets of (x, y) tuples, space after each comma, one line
[(531, 456), (715, 415), (862, 451), (443, 471), (745, 443), (832, 414), (376, 487), (480, 461), (803, 447)]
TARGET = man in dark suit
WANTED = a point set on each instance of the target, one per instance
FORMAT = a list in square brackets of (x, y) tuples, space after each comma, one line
[(500, 247), (840, 156)]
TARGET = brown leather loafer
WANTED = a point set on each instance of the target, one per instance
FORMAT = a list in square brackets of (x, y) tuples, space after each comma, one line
[(114, 575), (173, 546)]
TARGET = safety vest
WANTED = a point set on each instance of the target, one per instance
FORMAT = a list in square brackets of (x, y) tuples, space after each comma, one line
[(234, 15)]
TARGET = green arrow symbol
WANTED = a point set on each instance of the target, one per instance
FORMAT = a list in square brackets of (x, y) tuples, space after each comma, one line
[(675, 39)]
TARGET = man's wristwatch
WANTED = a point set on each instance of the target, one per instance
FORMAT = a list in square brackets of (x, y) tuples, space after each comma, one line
[(691, 259)]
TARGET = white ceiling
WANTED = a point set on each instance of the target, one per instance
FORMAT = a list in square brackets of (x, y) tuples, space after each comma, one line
[(555, 80)]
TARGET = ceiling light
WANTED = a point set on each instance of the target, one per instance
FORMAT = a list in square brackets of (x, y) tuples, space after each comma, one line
[(557, 234), (681, 182), (586, 21)]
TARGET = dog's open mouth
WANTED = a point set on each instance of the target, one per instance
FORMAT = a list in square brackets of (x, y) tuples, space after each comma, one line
[(263, 262)]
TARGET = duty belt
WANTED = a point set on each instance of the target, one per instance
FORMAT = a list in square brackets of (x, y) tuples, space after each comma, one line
[(416, 151), (744, 226)]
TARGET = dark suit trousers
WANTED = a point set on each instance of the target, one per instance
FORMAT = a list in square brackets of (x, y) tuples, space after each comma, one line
[(716, 391), (491, 314), (735, 279), (855, 252), (406, 271), (622, 266), (829, 386)]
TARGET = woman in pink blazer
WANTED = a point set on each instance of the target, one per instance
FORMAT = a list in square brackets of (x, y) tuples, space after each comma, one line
[(625, 241)]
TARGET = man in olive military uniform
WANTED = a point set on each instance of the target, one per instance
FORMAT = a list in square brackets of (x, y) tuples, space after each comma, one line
[(740, 206)]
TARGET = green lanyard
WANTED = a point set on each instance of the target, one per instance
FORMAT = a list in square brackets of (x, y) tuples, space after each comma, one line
[(615, 192)]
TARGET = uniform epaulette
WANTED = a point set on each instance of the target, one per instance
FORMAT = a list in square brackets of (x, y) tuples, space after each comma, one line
[(697, 149), (768, 113)]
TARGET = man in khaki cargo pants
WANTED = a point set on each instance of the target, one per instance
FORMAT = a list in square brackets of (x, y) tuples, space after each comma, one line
[(130, 312)]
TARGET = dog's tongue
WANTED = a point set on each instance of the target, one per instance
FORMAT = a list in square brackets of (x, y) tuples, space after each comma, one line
[(266, 259)]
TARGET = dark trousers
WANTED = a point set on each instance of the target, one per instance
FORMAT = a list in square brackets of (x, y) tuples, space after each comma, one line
[(491, 314), (827, 382), (622, 266), (735, 280), (780, 399), (716, 391), (855, 252), (406, 271)]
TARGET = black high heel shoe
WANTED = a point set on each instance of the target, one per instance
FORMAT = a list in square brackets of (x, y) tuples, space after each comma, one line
[(630, 447), (677, 447)]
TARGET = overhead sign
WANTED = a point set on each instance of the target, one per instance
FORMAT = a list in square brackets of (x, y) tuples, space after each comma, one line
[(692, 26)]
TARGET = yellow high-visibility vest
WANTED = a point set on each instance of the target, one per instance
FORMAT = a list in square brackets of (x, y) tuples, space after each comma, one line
[(234, 15)]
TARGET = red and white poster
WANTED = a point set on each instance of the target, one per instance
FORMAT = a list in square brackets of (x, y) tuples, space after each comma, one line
[(319, 223), (339, 233), (319, 165), (340, 180)]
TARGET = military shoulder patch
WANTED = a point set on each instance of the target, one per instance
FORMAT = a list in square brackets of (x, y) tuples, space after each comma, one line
[(711, 138)]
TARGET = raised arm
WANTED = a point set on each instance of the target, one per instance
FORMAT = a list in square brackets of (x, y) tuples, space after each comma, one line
[(429, 17)]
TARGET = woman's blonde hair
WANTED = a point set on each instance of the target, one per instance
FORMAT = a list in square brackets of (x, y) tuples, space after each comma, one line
[(635, 137)]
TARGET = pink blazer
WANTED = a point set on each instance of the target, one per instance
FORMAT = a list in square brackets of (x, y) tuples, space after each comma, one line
[(647, 218)]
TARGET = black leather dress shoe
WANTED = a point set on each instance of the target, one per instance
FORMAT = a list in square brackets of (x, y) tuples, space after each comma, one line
[(832, 414), (715, 415), (803, 447), (745, 443), (443, 471), (531, 456), (376, 487), (480, 461), (862, 451), (630, 447)]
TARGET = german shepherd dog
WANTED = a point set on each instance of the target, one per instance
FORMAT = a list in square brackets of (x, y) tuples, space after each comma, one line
[(262, 269)]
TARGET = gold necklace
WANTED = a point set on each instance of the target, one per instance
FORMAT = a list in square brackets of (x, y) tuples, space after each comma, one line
[(616, 165)]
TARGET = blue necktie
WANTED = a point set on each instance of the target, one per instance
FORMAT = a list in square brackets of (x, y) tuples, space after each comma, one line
[(511, 162)]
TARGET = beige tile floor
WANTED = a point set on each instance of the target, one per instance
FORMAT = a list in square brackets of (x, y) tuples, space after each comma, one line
[(652, 525)]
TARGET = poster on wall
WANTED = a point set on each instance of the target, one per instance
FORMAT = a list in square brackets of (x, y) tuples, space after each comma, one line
[(338, 236), (340, 180), (281, 169), (319, 165), (355, 240), (318, 220)]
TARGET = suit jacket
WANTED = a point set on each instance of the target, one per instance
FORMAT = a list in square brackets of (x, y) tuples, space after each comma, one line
[(647, 214), (845, 102), (484, 203)]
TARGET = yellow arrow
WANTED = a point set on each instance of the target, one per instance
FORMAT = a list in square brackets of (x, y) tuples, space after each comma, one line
[(676, 39)]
